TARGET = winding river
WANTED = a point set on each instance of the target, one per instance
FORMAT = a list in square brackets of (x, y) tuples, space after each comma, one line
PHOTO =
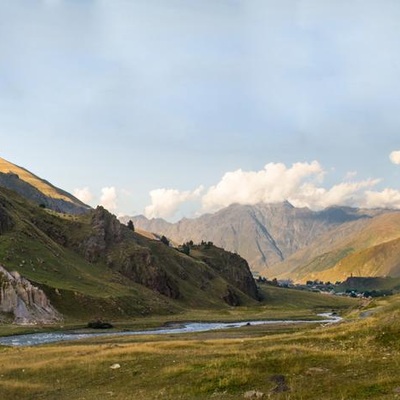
[(34, 339)]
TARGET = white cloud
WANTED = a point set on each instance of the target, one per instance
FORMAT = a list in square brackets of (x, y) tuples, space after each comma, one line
[(165, 202), (388, 198), (83, 194), (108, 198), (345, 194), (301, 184), (395, 157), (275, 183)]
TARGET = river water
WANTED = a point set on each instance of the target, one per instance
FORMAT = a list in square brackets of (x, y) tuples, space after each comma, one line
[(34, 339)]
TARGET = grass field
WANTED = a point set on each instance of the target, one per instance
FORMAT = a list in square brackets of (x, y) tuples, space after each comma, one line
[(357, 359)]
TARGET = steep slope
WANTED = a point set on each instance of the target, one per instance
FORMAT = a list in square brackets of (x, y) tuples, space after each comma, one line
[(263, 234), (362, 248), (92, 265), (38, 190)]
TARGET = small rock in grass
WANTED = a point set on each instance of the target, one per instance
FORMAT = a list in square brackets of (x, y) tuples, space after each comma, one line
[(253, 394), (115, 366), (281, 385)]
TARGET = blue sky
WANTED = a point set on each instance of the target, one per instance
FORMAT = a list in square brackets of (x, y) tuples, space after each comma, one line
[(177, 107)]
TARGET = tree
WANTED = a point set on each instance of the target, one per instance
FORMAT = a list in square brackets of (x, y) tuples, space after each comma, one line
[(130, 225), (164, 240), (186, 249)]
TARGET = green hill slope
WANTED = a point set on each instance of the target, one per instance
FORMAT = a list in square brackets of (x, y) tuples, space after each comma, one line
[(92, 265)]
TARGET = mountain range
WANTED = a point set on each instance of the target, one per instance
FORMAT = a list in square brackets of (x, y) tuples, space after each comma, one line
[(279, 240)]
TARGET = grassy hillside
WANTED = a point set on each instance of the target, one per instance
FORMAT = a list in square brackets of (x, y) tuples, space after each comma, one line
[(362, 248), (91, 265), (38, 190)]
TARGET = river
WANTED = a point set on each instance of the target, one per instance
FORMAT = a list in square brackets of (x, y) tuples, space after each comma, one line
[(34, 339)]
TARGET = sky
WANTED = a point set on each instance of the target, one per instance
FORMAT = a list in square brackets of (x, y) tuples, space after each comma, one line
[(174, 108)]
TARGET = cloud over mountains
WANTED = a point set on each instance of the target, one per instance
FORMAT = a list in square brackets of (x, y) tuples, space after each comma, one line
[(302, 184)]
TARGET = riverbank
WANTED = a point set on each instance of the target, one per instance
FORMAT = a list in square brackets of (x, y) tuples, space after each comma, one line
[(34, 339), (354, 360)]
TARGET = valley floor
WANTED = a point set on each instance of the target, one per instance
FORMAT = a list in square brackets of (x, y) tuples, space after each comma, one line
[(357, 359)]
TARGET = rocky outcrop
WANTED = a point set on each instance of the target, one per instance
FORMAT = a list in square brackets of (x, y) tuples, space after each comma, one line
[(141, 267), (26, 303), (136, 263), (233, 268), (106, 231)]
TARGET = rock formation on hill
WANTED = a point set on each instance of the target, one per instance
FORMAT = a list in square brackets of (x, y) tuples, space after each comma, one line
[(25, 302)]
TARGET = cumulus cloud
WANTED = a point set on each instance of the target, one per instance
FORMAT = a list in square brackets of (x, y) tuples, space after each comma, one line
[(274, 183), (165, 202), (344, 194), (388, 198), (302, 184), (83, 194), (108, 198), (395, 157)]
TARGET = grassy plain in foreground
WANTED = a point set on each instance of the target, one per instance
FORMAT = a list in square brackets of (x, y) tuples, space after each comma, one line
[(357, 359)]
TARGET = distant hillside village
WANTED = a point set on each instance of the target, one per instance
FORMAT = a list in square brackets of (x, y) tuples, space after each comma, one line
[(363, 287)]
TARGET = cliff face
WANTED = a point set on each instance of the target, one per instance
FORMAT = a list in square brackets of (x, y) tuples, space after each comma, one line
[(106, 232), (232, 267), (106, 242), (24, 301)]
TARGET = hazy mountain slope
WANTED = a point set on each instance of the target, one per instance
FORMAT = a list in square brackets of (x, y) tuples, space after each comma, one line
[(263, 234), (92, 266), (360, 248), (38, 190)]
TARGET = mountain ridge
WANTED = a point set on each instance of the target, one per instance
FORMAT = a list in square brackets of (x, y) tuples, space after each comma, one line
[(39, 190), (263, 234)]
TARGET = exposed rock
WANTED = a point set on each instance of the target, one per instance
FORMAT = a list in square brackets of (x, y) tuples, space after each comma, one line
[(253, 394), (140, 266), (115, 366), (106, 232), (281, 385), (232, 267), (231, 297), (27, 303)]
